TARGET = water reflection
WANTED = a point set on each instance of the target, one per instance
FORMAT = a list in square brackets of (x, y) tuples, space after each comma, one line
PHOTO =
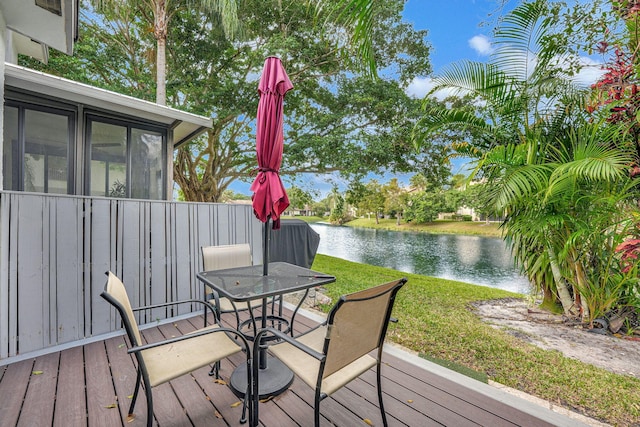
[(472, 259)]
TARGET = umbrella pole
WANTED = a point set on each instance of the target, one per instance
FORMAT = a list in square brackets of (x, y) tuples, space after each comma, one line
[(265, 272), (265, 249)]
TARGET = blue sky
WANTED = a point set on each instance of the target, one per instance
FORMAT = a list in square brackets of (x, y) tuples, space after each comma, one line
[(457, 30)]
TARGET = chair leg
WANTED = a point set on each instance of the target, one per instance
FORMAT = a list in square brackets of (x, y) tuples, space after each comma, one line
[(316, 409), (135, 393), (147, 390), (245, 404), (215, 370), (379, 380)]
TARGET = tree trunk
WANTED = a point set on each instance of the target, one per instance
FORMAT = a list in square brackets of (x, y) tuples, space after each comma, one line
[(581, 280), (561, 285), (160, 33)]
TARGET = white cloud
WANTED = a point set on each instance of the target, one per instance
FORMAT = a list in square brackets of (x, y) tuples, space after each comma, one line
[(481, 44), (590, 73), (420, 86)]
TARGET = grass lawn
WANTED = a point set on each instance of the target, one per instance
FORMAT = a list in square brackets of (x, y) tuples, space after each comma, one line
[(451, 227), (435, 320), (448, 227)]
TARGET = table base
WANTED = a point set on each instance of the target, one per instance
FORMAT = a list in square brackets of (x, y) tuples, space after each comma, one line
[(272, 381)]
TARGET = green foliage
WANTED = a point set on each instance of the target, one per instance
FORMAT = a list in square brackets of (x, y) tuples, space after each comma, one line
[(338, 215), (298, 198), (559, 177), (425, 207)]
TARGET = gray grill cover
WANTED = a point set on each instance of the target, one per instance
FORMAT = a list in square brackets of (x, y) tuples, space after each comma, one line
[(295, 242)]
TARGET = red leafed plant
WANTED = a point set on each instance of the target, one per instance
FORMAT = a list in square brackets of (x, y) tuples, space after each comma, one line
[(630, 250)]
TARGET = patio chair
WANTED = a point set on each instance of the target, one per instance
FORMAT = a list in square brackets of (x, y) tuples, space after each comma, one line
[(229, 256), (221, 257), (337, 351), (163, 361)]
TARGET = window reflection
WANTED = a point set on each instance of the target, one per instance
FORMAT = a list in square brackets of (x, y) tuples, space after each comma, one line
[(39, 162), (108, 160), (126, 161), (146, 164)]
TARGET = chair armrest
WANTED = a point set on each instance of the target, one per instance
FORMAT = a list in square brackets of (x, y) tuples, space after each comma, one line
[(207, 305), (189, 336), (311, 352), (323, 324), (166, 304)]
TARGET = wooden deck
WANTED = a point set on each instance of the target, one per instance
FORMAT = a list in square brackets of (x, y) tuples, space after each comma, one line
[(91, 386)]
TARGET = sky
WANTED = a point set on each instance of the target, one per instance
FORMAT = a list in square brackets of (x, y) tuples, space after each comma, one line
[(456, 30)]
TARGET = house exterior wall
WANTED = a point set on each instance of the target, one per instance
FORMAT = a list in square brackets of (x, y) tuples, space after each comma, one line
[(3, 49), (54, 251)]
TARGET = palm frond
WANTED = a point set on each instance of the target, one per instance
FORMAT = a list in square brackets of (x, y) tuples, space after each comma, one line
[(473, 78)]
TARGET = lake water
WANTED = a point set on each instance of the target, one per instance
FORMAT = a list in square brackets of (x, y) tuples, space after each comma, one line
[(473, 259)]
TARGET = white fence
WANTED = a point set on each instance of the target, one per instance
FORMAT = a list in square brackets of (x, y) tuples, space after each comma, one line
[(54, 251)]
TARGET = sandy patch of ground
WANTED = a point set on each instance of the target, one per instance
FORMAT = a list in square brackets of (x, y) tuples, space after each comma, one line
[(548, 331)]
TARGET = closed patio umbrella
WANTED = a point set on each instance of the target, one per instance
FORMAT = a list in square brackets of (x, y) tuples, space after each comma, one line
[(270, 198)]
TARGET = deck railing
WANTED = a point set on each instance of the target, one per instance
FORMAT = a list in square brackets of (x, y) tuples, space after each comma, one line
[(54, 251)]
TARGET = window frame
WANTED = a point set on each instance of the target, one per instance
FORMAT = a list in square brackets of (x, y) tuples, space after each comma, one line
[(93, 116), (18, 163)]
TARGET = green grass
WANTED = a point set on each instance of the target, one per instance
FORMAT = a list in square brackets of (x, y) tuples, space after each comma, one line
[(310, 219), (448, 227), (435, 320)]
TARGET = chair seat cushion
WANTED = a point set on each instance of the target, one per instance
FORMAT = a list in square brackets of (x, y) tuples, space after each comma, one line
[(170, 361), (306, 367)]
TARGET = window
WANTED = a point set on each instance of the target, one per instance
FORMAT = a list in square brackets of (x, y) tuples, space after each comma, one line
[(37, 149), (126, 160), (114, 155)]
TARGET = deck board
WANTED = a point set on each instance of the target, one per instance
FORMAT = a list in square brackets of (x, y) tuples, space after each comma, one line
[(103, 405), (79, 386), (40, 397), (12, 391), (71, 407)]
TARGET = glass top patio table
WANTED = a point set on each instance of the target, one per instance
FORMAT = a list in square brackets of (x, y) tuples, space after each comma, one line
[(242, 284)]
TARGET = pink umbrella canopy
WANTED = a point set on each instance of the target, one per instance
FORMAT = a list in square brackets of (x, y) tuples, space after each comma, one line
[(270, 198)]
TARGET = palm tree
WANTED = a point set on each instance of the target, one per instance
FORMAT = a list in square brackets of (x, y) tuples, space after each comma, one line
[(159, 14), (358, 14)]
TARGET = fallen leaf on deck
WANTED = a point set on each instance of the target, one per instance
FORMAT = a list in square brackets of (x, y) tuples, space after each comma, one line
[(235, 404), (266, 400), (121, 345), (220, 381), (131, 418), (368, 421), (218, 414), (410, 401), (113, 405), (37, 372), (130, 396)]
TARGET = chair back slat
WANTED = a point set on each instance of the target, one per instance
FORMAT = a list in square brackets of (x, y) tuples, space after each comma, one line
[(358, 324), (116, 294), (226, 256)]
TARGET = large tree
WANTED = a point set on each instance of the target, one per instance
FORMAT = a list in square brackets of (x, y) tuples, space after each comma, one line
[(337, 118), (357, 14)]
